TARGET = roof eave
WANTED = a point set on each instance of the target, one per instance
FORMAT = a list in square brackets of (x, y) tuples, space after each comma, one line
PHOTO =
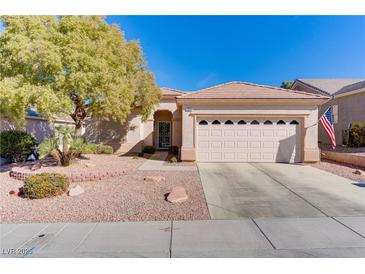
[(256, 101)]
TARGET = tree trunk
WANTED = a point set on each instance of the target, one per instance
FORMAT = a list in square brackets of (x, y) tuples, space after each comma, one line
[(79, 116)]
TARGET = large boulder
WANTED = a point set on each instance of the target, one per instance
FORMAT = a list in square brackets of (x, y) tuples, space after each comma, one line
[(75, 191), (177, 195)]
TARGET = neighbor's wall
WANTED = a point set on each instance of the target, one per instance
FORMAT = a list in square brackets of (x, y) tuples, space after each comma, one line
[(36, 126), (309, 115)]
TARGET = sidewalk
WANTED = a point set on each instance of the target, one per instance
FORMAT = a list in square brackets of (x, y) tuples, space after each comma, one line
[(159, 164), (263, 237)]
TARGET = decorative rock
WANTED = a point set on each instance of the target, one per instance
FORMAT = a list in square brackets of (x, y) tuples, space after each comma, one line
[(177, 195), (155, 179), (359, 172), (77, 190), (90, 165), (36, 166)]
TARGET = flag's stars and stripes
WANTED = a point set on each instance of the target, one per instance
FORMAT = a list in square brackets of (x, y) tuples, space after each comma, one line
[(327, 122)]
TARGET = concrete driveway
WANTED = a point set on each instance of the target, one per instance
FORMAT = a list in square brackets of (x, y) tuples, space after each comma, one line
[(245, 190)]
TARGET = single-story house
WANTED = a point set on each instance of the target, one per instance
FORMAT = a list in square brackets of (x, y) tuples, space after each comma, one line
[(347, 99), (232, 122)]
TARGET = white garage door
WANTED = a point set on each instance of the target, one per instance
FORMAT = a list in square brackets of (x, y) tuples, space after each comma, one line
[(248, 140)]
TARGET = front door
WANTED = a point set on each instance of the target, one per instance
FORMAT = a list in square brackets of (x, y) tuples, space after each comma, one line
[(164, 135)]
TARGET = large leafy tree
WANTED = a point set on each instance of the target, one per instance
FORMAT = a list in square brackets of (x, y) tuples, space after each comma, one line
[(77, 65)]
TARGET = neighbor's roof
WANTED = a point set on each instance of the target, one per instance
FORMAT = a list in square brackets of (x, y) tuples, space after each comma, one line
[(243, 90), (356, 86), (171, 92), (329, 86)]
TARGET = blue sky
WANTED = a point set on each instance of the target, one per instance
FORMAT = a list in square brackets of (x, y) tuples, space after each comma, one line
[(193, 52)]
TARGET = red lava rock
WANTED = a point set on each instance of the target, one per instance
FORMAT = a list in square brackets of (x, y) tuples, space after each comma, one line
[(177, 195)]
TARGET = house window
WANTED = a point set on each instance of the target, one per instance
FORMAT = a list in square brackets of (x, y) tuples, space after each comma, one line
[(267, 122), (335, 114), (255, 122), (241, 122), (203, 122), (280, 122), (216, 122), (294, 122), (228, 122)]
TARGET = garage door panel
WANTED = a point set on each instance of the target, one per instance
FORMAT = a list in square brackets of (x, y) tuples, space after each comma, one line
[(216, 132), (255, 132), (242, 132), (249, 143), (229, 132), (242, 144), (229, 156), (229, 144)]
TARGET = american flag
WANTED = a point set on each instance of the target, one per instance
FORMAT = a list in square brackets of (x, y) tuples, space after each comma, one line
[(327, 122)]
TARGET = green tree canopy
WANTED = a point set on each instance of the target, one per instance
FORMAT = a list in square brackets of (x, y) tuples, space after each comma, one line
[(76, 65), (287, 84)]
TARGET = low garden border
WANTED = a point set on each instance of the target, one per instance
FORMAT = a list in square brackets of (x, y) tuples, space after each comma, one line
[(73, 177)]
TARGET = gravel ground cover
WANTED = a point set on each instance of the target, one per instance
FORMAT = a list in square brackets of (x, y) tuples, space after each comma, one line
[(344, 170), (127, 198), (343, 149)]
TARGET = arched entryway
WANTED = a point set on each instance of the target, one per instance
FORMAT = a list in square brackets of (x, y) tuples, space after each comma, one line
[(162, 129)]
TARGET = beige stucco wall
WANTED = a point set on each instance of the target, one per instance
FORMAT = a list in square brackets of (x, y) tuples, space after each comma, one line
[(308, 114), (36, 126), (138, 134)]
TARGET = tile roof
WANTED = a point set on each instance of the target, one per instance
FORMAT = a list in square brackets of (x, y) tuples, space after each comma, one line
[(356, 86), (171, 92), (243, 90), (329, 86)]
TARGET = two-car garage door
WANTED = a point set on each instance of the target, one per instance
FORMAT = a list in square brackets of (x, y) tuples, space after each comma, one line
[(248, 140)]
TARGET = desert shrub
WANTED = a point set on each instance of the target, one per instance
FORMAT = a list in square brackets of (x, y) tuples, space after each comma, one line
[(45, 148), (81, 146), (104, 149), (149, 149), (173, 160), (16, 145), (45, 185), (356, 136)]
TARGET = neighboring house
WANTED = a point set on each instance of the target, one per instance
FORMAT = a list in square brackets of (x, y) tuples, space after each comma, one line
[(36, 125), (232, 122), (347, 99)]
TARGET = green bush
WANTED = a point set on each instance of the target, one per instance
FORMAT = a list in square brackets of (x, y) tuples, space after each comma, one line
[(356, 136), (46, 147), (104, 149), (16, 145), (149, 149), (173, 160), (81, 146), (45, 185)]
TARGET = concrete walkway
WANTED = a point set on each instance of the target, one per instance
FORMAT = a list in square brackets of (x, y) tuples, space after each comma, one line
[(244, 190), (262, 237)]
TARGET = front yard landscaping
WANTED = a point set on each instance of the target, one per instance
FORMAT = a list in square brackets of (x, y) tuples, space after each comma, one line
[(341, 169), (126, 197)]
